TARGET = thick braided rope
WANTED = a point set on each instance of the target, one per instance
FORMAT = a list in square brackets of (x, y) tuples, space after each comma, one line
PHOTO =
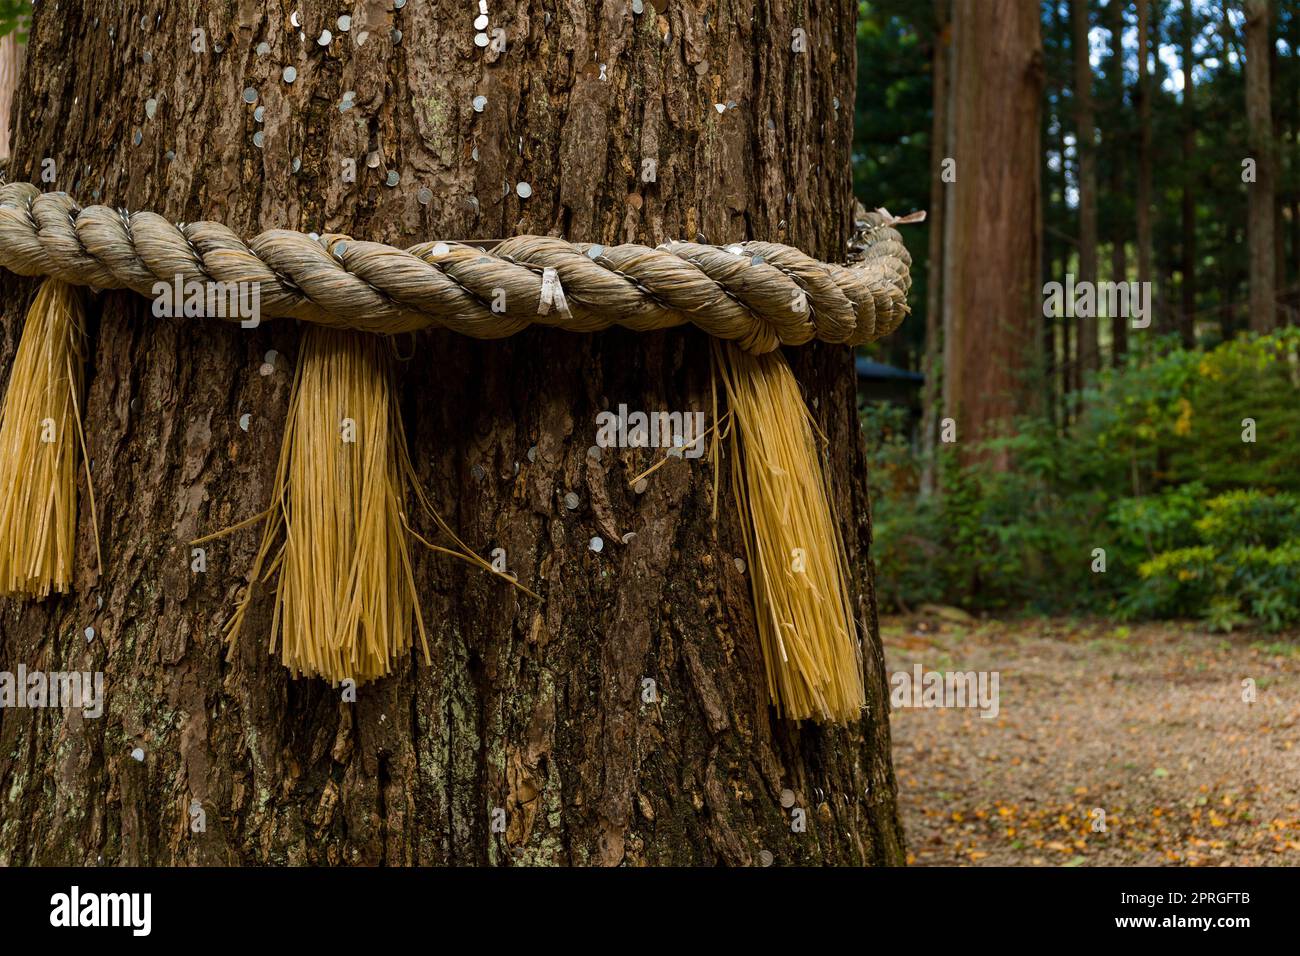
[(759, 294)]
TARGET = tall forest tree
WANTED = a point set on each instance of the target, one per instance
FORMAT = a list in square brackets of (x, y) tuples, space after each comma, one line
[(993, 238), (11, 66), (1144, 238), (931, 399), (1085, 129), (1060, 245), (1118, 160), (1259, 116), (1287, 100), (1187, 314), (623, 126), (1277, 96)]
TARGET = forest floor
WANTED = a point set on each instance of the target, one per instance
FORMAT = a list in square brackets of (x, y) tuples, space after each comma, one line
[(1144, 730)]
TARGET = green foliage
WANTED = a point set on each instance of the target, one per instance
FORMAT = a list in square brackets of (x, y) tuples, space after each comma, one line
[(1226, 586), (894, 469), (1180, 417), (891, 138), (15, 15), (1009, 537), (1250, 518), (1159, 468), (1151, 524), (1176, 583), (1194, 521)]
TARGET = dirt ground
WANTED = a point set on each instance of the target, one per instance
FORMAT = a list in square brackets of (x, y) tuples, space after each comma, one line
[(1144, 730)]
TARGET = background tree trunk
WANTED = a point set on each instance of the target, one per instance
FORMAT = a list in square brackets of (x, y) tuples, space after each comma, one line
[(1144, 247), (1068, 247), (1291, 106), (1187, 317), (1281, 181), (11, 67), (1263, 309), (1087, 133), (532, 707), (992, 264), (1119, 235), (932, 397)]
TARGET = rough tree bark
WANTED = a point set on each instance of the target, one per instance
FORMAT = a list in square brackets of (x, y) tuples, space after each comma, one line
[(534, 708), (1259, 117), (991, 263)]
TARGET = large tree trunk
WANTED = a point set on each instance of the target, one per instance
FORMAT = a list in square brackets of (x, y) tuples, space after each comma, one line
[(1263, 308), (1087, 133), (536, 708), (991, 263)]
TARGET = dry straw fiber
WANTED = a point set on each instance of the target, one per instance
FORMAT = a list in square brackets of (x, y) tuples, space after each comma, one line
[(796, 558), (41, 445), (345, 605)]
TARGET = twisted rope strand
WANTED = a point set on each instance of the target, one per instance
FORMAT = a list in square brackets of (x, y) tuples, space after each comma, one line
[(759, 294)]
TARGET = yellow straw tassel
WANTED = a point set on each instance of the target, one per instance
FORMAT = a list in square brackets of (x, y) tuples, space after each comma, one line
[(345, 603), (796, 556), (40, 444)]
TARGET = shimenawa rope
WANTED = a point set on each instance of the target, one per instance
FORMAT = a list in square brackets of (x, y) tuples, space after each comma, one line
[(346, 599), (758, 294)]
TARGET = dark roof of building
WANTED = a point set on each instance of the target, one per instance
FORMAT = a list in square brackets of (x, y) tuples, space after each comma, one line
[(879, 371)]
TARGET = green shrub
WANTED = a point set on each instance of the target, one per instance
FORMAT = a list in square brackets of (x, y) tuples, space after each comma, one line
[(1176, 583), (1195, 521), (1249, 516), (1143, 527), (1243, 584)]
